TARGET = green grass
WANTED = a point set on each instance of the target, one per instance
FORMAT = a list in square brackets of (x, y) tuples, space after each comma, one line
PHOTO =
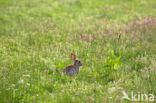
[(36, 37)]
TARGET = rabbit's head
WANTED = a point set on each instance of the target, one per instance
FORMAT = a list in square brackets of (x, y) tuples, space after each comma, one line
[(77, 63)]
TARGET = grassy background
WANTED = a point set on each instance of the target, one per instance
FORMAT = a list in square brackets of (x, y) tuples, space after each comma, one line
[(114, 39)]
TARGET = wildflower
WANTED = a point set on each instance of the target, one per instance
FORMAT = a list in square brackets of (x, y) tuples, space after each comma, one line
[(110, 97), (27, 75), (28, 84), (21, 81), (12, 85)]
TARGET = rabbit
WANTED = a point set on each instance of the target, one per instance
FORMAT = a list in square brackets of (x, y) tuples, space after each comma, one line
[(73, 70)]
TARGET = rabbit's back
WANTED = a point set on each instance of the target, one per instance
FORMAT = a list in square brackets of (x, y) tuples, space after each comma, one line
[(71, 70)]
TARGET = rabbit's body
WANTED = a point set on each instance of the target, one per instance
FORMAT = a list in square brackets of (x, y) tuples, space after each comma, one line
[(73, 69)]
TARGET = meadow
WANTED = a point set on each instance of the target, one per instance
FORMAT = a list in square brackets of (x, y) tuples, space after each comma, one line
[(114, 39)]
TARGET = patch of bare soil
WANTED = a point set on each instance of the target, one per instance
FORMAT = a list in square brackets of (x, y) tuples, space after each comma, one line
[(141, 28), (137, 29), (145, 23)]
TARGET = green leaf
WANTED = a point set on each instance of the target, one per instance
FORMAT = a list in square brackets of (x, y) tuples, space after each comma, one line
[(115, 66)]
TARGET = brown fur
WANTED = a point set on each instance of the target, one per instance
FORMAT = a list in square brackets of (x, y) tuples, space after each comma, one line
[(72, 69)]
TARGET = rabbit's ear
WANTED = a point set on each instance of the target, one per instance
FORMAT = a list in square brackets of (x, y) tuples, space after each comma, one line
[(73, 56)]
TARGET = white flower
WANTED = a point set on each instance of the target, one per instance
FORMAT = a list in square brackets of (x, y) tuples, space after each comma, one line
[(21, 81), (12, 85), (27, 75), (28, 84), (110, 97)]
